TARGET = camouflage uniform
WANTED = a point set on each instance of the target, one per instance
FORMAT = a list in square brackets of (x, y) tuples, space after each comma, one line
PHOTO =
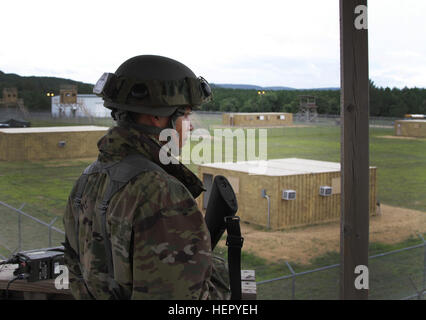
[(160, 243)]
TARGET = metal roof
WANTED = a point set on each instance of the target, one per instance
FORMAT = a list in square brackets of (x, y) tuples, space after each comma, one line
[(54, 129), (278, 167), (412, 121), (256, 113)]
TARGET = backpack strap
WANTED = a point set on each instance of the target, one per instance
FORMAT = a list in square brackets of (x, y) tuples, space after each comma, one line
[(91, 169), (119, 174)]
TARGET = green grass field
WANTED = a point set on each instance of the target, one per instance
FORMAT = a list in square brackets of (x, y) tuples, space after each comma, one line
[(44, 186), (401, 163), (389, 275), (401, 179)]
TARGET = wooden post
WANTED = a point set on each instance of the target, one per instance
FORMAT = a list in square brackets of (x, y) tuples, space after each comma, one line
[(354, 147), (248, 285)]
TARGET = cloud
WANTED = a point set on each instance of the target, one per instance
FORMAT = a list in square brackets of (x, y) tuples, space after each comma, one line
[(278, 71), (287, 43)]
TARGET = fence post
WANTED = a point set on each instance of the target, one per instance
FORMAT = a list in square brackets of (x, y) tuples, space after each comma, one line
[(20, 229), (424, 264), (19, 232), (293, 285), (50, 230)]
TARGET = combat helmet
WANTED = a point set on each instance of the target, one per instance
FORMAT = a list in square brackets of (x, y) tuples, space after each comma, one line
[(153, 85)]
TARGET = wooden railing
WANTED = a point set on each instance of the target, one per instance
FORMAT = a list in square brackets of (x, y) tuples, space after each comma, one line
[(46, 290)]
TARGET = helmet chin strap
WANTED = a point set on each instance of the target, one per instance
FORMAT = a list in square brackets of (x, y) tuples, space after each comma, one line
[(140, 127), (126, 122), (173, 118)]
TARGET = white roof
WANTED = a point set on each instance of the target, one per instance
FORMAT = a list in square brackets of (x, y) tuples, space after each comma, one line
[(413, 121), (278, 167), (256, 113), (417, 116), (54, 129), (83, 95), (89, 95)]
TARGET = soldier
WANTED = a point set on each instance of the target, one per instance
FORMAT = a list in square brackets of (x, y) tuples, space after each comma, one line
[(133, 228)]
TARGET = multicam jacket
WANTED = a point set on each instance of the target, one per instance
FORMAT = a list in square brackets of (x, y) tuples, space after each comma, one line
[(160, 243)]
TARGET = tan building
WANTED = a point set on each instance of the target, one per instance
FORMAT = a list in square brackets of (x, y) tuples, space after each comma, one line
[(48, 143), (266, 119), (301, 192), (410, 128)]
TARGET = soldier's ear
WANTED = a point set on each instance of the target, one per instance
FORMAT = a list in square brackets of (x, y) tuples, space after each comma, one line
[(160, 122)]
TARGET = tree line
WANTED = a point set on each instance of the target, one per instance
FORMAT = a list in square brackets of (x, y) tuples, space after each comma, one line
[(384, 102), (33, 90)]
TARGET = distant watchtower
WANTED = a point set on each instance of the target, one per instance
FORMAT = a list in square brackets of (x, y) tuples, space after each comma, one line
[(12, 103), (10, 96), (307, 109), (68, 94)]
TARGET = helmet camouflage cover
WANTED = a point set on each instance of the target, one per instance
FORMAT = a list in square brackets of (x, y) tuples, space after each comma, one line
[(152, 85)]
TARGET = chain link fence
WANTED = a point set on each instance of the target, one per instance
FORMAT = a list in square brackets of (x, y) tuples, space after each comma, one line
[(200, 119), (399, 274), (42, 118), (20, 231)]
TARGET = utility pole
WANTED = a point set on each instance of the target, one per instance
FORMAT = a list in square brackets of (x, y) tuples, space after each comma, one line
[(354, 231)]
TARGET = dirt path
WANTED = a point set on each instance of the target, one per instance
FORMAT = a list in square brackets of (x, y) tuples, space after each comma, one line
[(302, 244), (402, 138)]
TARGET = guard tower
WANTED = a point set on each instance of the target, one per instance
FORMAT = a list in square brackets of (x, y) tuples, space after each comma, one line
[(68, 94), (69, 104), (10, 96), (12, 103), (307, 109)]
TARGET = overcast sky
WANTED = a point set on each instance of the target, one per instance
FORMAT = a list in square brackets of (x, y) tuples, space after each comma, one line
[(267, 43)]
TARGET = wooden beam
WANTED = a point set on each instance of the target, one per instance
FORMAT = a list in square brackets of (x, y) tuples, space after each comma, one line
[(354, 145), (44, 286), (42, 290)]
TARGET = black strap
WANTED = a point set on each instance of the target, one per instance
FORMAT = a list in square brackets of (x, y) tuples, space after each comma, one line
[(234, 241), (119, 173), (77, 204), (113, 286), (93, 168)]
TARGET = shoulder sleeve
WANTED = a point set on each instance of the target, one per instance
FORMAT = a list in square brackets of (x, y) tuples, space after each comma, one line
[(172, 251)]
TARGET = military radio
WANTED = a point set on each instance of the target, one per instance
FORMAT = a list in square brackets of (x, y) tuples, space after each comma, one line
[(39, 264)]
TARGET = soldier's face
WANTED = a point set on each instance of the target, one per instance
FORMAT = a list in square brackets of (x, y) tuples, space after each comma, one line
[(184, 127)]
